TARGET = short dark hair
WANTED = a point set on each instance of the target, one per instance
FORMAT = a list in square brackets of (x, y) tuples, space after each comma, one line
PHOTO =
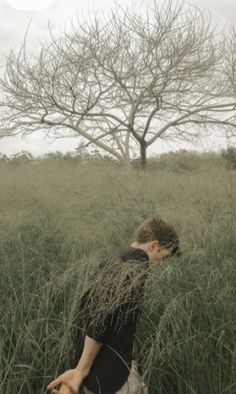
[(155, 228)]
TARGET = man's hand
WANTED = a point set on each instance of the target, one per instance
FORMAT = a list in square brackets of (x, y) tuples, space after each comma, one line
[(70, 381)]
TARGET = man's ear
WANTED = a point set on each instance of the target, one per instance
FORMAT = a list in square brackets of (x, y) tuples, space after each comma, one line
[(155, 244)]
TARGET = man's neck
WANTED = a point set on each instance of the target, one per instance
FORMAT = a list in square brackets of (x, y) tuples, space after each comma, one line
[(137, 245)]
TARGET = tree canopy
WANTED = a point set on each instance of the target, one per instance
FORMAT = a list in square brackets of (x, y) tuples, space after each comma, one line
[(123, 83)]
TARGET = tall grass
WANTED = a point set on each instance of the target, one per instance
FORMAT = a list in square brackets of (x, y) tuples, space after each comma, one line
[(59, 219)]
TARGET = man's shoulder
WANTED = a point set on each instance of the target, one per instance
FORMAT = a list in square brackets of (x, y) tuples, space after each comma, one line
[(130, 253)]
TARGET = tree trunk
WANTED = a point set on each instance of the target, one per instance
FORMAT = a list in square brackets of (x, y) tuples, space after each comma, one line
[(143, 154)]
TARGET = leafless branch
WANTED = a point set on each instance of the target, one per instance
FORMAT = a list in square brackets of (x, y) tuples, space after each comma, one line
[(124, 82)]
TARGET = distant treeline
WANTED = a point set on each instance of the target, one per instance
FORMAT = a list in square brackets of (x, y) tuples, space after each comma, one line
[(174, 160)]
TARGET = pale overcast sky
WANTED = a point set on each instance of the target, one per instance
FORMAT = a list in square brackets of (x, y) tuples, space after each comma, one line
[(15, 16)]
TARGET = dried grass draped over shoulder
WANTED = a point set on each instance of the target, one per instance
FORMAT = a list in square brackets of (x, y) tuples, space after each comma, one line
[(115, 287)]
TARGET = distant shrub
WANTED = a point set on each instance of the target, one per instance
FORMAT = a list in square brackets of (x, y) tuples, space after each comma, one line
[(53, 155), (4, 157), (178, 161), (136, 163), (22, 156), (77, 156), (229, 155)]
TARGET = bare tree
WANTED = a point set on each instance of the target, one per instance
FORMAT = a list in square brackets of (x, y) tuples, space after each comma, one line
[(123, 83), (227, 75)]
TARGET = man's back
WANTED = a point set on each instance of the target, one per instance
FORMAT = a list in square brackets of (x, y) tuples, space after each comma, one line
[(116, 329)]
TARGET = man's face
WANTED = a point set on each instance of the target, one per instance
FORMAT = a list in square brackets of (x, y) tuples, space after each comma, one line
[(158, 253)]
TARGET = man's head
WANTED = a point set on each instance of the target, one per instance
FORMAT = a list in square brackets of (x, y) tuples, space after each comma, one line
[(157, 238)]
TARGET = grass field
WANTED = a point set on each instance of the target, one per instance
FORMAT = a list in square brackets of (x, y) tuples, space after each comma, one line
[(60, 217)]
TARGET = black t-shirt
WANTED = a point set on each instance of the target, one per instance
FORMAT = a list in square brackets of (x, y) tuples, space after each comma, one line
[(111, 367)]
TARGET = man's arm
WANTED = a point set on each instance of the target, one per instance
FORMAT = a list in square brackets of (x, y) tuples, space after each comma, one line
[(90, 351), (73, 378)]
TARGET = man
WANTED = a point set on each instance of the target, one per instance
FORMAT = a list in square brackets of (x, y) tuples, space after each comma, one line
[(106, 365)]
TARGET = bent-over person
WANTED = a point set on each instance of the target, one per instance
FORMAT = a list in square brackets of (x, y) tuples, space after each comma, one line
[(110, 309)]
